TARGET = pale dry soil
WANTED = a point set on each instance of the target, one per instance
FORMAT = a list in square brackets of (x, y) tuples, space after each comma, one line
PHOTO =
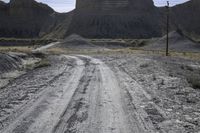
[(103, 94)]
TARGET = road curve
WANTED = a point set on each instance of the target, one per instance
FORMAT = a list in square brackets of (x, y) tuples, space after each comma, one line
[(85, 99)]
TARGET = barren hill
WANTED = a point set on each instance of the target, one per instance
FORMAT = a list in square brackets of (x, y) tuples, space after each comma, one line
[(128, 19), (115, 19), (186, 16), (23, 18), (177, 42), (97, 19)]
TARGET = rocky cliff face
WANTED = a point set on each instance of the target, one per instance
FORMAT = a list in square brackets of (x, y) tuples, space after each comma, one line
[(187, 17), (23, 18), (3, 8), (56, 26), (131, 19), (115, 19), (28, 8), (96, 19)]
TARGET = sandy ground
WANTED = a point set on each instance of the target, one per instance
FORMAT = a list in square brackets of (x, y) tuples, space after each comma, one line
[(103, 94)]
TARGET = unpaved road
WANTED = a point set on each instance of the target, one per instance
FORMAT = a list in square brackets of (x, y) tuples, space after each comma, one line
[(81, 94), (46, 47)]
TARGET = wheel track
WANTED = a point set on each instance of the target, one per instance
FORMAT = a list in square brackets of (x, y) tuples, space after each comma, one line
[(17, 106), (140, 100), (107, 112), (91, 101), (76, 113)]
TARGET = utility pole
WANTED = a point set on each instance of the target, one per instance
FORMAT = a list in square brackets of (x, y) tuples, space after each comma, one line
[(167, 42)]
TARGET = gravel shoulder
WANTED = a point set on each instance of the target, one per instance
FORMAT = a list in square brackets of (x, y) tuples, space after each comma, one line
[(165, 88)]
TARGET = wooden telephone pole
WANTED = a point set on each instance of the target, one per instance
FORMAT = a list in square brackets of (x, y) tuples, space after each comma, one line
[(167, 42)]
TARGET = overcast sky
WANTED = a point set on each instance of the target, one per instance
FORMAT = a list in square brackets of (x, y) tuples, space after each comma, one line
[(68, 5)]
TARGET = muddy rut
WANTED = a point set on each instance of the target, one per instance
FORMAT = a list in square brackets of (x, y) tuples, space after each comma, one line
[(83, 96)]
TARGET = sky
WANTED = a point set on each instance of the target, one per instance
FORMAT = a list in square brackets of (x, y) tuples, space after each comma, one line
[(68, 5)]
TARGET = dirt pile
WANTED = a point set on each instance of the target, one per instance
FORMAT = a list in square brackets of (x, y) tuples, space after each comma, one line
[(177, 42), (77, 42), (13, 65), (9, 62)]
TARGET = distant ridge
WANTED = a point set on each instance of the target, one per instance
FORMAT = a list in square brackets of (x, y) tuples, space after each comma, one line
[(186, 16), (97, 19), (177, 42), (23, 18), (115, 19)]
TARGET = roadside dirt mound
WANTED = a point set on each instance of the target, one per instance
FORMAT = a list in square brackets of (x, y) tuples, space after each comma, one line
[(9, 62), (177, 42), (111, 44), (14, 64), (77, 42)]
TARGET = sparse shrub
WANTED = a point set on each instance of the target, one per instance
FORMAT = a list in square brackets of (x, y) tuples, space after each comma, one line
[(43, 63), (144, 65), (141, 43), (133, 43), (171, 74), (184, 53), (194, 80), (39, 54), (182, 67), (154, 77), (29, 66), (189, 68)]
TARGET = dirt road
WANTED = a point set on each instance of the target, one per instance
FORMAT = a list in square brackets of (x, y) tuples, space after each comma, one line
[(82, 95), (106, 94), (45, 47)]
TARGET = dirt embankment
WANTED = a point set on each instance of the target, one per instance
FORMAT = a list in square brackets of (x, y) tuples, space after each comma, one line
[(15, 64), (9, 62), (77, 42)]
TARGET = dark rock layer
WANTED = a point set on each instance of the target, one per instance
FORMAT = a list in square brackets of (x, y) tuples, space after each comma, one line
[(115, 19), (23, 18), (187, 17), (97, 19)]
